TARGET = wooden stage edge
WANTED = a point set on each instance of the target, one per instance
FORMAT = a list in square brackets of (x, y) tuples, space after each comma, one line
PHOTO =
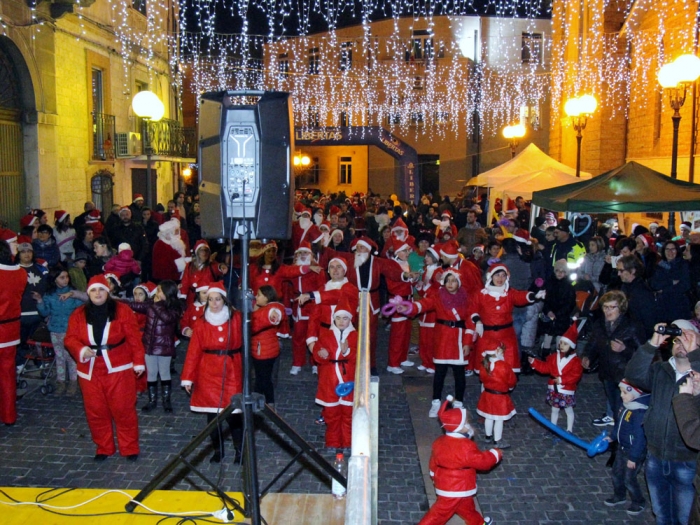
[(64, 506)]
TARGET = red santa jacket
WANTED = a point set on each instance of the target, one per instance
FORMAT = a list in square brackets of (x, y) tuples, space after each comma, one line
[(258, 276), (568, 368), (495, 401), (325, 301), (337, 367), (213, 357), (470, 275), (194, 277), (453, 464), (194, 312), (264, 342), (121, 339), (167, 262), (299, 234), (426, 284), (453, 325), (14, 281), (304, 284)]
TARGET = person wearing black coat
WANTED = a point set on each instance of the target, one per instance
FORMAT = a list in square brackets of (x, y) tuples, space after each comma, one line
[(614, 340), (560, 301), (671, 282), (642, 302)]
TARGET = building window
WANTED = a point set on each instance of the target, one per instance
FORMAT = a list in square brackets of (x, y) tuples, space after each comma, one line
[(441, 117), (344, 119), (345, 56), (102, 187), (421, 46), (140, 6), (418, 83), (393, 118), (417, 118), (345, 170), (314, 61), (532, 48), (313, 119), (530, 116), (283, 65)]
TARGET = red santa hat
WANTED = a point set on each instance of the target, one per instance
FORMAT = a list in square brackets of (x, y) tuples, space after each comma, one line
[(334, 210), (433, 252), (325, 225), (511, 207), (304, 246), (399, 225), (314, 234), (123, 247), (685, 225), (169, 226), (148, 287), (269, 246), (495, 268), (114, 275), (647, 240), (24, 243), (364, 241), (449, 250), (98, 281), (60, 215), (446, 274), (217, 287), (570, 336), (202, 288), (339, 261), (398, 245), (201, 243), (343, 307), (453, 419), (337, 230), (28, 220), (478, 247), (446, 213), (93, 217), (138, 197), (8, 235), (629, 387), (304, 211)]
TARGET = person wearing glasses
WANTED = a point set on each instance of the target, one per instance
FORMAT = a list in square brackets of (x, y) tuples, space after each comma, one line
[(670, 465), (614, 339), (671, 282)]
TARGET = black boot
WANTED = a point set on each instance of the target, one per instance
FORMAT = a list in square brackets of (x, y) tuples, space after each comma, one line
[(167, 405), (236, 426), (152, 397)]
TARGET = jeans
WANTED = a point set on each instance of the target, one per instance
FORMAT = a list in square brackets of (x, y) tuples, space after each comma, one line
[(625, 479), (612, 392), (671, 489), (519, 318)]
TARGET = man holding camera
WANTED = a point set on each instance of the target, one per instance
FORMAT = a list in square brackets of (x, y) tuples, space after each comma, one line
[(670, 464)]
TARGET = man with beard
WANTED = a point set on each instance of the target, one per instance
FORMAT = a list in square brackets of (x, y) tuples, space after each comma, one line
[(170, 254), (130, 233), (304, 229)]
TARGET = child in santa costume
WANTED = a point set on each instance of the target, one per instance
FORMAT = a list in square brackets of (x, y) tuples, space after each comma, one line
[(565, 370), (454, 462), (426, 322), (213, 371), (194, 312), (335, 352), (495, 405), (104, 339), (142, 293), (200, 271)]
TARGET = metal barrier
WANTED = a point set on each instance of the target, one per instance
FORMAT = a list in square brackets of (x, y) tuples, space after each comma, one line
[(361, 502)]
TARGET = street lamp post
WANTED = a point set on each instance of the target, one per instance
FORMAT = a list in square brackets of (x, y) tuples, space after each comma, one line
[(514, 133), (149, 107), (579, 110), (675, 77)]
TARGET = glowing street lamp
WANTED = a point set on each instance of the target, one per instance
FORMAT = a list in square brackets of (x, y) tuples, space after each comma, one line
[(675, 77), (513, 134), (579, 110), (301, 160), (149, 107)]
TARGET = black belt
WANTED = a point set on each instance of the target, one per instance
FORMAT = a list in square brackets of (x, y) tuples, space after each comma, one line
[(452, 324), (14, 319), (229, 353), (102, 348), (341, 361), (373, 290), (325, 325), (497, 327), (495, 392)]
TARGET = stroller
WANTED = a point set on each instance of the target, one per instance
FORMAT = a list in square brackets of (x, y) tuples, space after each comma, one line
[(40, 353)]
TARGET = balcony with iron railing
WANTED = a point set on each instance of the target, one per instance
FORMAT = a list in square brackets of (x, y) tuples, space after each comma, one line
[(103, 134), (169, 138)]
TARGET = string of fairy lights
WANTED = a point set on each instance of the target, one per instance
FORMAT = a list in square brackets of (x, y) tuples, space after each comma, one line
[(416, 71)]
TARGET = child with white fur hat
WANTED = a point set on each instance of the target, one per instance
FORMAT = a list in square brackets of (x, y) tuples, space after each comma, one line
[(454, 461)]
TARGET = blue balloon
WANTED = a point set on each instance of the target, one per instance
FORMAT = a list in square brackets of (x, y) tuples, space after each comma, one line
[(597, 446), (343, 389)]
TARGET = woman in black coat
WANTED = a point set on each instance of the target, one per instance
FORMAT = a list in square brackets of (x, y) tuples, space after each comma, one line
[(671, 282), (560, 301)]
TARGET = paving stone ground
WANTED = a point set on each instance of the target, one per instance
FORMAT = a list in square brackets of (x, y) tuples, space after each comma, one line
[(542, 480)]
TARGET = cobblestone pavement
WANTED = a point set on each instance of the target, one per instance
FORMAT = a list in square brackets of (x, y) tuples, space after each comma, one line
[(542, 479)]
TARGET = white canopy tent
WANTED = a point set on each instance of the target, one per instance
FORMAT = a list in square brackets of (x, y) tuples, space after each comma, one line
[(544, 179)]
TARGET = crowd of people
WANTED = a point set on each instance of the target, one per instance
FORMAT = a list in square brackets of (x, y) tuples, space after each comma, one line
[(123, 295)]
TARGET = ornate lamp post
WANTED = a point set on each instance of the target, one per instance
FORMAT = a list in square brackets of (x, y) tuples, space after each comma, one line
[(579, 110), (301, 160), (149, 107), (513, 134), (675, 77)]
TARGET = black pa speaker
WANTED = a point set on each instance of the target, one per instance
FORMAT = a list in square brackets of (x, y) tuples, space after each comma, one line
[(245, 157)]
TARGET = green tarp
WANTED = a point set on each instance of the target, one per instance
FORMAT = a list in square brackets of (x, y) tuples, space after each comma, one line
[(629, 188)]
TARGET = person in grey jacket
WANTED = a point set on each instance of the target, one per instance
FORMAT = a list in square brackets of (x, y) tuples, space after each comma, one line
[(670, 466)]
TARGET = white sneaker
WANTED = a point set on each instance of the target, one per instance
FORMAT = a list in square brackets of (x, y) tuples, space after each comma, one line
[(430, 370), (434, 408), (421, 367), (468, 373), (407, 363), (457, 404), (413, 349), (314, 370), (295, 370), (394, 370)]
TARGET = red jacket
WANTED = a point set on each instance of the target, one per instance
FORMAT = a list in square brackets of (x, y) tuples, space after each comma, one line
[(501, 379), (261, 276), (194, 312), (14, 280), (264, 343), (122, 332), (454, 462), (193, 277), (167, 262), (304, 284), (470, 275), (569, 369), (337, 367), (325, 301)]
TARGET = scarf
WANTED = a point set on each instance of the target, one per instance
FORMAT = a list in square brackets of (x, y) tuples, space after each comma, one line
[(453, 301), (217, 319), (496, 291), (335, 285)]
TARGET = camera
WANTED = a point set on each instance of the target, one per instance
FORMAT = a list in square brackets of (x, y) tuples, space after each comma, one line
[(671, 330)]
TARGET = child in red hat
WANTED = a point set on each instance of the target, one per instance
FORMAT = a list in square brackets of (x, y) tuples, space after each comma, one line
[(454, 461), (566, 371)]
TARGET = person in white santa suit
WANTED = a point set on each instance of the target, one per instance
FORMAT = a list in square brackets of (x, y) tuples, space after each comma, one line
[(14, 280), (213, 371), (170, 253), (104, 339), (454, 461)]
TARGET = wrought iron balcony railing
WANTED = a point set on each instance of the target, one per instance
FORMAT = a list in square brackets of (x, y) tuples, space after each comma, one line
[(170, 139), (103, 136)]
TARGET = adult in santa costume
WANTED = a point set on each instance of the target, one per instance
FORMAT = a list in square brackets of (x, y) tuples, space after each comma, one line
[(213, 371), (470, 275), (104, 339), (14, 280), (304, 229), (200, 271), (170, 253), (335, 351), (495, 404), (494, 314), (267, 270), (454, 462)]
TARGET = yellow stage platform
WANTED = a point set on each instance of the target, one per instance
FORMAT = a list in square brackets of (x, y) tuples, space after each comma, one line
[(107, 507)]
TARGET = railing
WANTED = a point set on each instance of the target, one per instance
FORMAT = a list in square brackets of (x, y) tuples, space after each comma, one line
[(103, 133), (361, 504), (170, 139)]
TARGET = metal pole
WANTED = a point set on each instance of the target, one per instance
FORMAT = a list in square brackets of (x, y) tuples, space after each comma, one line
[(676, 118), (579, 136), (149, 152)]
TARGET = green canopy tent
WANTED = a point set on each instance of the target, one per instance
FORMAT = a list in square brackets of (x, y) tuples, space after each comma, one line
[(627, 189)]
